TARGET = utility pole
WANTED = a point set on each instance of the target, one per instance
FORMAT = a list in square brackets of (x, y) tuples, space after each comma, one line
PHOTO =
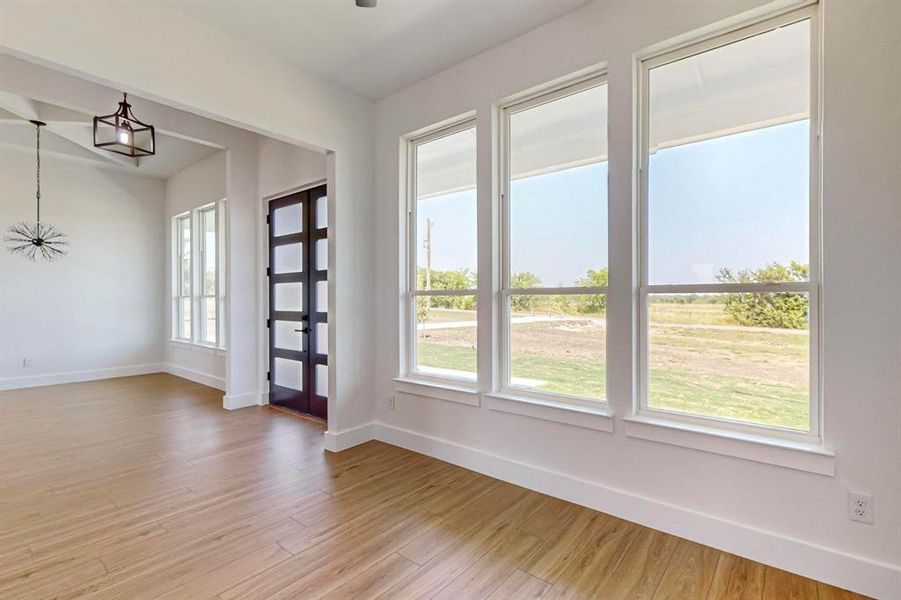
[(428, 260), (428, 254)]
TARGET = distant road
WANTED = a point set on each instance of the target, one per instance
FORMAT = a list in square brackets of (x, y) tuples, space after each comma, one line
[(603, 320)]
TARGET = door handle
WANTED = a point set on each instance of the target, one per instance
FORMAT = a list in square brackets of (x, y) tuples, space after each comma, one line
[(304, 330)]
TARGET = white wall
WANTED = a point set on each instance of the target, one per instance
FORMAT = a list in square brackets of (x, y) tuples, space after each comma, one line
[(96, 312), (199, 184), (793, 519), (284, 167)]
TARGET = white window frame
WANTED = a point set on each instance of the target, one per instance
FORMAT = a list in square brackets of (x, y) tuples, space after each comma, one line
[(503, 358), (409, 269), (196, 292), (811, 287)]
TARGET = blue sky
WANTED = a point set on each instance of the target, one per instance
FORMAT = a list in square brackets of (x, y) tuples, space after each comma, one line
[(739, 201)]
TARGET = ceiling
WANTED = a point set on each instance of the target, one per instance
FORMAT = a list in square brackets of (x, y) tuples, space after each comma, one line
[(375, 51), (70, 134)]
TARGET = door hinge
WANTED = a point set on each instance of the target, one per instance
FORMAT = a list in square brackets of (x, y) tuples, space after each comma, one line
[(268, 323), (267, 219), (268, 272), (268, 376)]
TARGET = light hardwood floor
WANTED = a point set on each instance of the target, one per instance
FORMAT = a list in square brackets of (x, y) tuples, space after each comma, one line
[(143, 487)]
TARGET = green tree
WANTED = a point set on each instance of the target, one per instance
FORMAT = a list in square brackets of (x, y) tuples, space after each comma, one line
[(595, 303), (784, 310), (525, 279), (462, 279)]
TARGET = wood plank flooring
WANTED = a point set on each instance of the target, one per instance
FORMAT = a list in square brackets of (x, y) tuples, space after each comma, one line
[(143, 487)]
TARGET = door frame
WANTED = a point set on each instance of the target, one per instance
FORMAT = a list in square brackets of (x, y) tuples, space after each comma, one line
[(263, 286)]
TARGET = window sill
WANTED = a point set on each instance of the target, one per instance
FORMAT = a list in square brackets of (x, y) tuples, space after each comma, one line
[(194, 347), (461, 394), (599, 419), (802, 456)]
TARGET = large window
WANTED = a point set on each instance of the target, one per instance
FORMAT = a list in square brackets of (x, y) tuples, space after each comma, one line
[(554, 243), (440, 301), (729, 219), (199, 299)]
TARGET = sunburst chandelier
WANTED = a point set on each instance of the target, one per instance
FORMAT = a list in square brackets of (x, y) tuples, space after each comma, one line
[(33, 240)]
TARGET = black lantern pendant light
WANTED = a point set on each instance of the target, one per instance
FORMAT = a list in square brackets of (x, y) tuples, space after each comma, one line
[(122, 133), (33, 240)]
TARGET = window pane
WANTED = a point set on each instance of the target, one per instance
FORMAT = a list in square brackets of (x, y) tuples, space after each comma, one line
[(208, 226), (184, 318), (321, 373), (321, 212), (322, 296), (288, 373), (322, 255), (728, 171), (289, 335), (287, 219), (209, 319), (287, 258), (742, 357), (288, 296), (321, 338), (446, 212), (558, 344), (446, 336), (558, 189), (184, 255)]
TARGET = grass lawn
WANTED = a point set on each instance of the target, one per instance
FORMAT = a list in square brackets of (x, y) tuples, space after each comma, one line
[(722, 370)]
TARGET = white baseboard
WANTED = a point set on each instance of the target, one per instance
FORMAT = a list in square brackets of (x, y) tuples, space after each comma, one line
[(872, 578), (15, 383), (342, 440), (196, 376), (237, 401)]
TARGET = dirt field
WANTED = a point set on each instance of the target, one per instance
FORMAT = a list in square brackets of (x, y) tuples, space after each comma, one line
[(699, 361)]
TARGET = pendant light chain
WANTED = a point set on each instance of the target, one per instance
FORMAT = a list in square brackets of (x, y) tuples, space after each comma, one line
[(38, 194), (36, 240)]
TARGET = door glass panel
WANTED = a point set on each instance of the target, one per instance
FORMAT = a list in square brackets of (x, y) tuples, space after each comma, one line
[(321, 338), (322, 212), (322, 255), (288, 258), (289, 296), (287, 220), (322, 380), (288, 373), (322, 296), (288, 336)]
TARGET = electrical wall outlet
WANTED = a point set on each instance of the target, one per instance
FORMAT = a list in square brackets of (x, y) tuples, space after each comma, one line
[(860, 507), (27, 363), (391, 402)]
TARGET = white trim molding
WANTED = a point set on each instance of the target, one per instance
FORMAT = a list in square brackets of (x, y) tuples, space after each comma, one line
[(196, 376), (865, 576), (29, 381), (342, 440), (810, 457), (237, 401), (440, 391), (597, 418)]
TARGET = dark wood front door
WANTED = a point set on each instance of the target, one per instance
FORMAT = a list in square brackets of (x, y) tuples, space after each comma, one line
[(298, 302)]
